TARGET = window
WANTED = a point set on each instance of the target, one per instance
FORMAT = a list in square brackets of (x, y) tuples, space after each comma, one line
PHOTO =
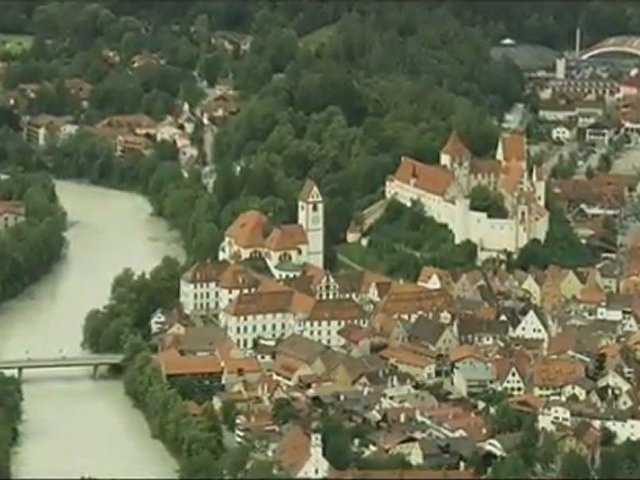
[(314, 207)]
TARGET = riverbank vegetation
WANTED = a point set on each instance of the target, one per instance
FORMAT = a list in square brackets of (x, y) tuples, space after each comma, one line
[(132, 301), (10, 416), (29, 249)]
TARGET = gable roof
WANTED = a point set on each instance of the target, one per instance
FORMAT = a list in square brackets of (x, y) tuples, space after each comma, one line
[(426, 330), (286, 237), (455, 146), (433, 179), (301, 348), (293, 450), (172, 363), (248, 229), (307, 189)]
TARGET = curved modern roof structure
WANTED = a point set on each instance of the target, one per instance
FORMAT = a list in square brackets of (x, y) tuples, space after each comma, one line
[(527, 56), (629, 44)]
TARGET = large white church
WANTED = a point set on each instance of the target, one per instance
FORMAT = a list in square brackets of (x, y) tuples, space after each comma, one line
[(285, 248)]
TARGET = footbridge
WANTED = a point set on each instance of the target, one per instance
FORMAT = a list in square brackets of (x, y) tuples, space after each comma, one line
[(95, 361)]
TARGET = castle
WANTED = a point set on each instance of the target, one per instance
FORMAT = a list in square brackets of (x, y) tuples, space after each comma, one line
[(285, 248), (444, 192)]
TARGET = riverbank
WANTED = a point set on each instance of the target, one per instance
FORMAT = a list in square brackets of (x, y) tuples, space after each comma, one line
[(10, 416), (30, 248)]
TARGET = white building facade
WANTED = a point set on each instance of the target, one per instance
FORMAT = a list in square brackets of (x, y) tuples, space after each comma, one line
[(443, 190)]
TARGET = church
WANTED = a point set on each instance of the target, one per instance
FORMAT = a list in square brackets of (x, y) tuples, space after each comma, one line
[(444, 190), (285, 248)]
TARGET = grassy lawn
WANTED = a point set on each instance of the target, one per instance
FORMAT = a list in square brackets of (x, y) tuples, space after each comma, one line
[(15, 44), (316, 38), (357, 254)]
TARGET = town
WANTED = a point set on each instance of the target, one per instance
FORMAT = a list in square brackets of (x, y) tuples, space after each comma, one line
[(366, 292)]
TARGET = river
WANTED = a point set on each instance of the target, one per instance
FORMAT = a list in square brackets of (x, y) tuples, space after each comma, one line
[(74, 425)]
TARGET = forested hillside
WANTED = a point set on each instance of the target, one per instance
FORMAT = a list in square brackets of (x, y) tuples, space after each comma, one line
[(335, 91)]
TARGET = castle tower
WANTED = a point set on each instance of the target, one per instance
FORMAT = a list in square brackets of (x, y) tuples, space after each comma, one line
[(454, 151), (311, 218)]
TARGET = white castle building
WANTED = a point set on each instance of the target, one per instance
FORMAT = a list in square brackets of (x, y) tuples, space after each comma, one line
[(286, 248), (444, 192)]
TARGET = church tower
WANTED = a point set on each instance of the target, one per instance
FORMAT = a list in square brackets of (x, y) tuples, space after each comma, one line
[(311, 218)]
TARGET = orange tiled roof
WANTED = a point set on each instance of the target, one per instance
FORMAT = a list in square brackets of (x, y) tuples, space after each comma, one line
[(514, 147), (238, 276), (433, 179), (465, 351), (338, 309), (402, 354), (557, 372), (172, 363), (286, 237), (246, 364), (248, 229), (455, 146), (293, 450)]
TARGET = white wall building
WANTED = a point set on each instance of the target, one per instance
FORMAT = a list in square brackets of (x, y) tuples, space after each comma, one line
[(444, 189), (286, 248)]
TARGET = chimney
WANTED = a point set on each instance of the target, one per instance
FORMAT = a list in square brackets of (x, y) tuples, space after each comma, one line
[(578, 42)]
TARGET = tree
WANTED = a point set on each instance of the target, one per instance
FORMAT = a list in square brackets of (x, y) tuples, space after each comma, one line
[(506, 419), (483, 199), (229, 414), (573, 465), (283, 411), (510, 466)]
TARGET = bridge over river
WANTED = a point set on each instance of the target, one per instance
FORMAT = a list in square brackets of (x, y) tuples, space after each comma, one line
[(94, 361)]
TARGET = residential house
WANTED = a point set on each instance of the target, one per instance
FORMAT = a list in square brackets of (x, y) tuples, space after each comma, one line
[(472, 371), (529, 284), (609, 274), (412, 360), (439, 334), (434, 278), (43, 129), (550, 375), (200, 287), (197, 340), (599, 132), (11, 214), (295, 356), (480, 331), (204, 371), (512, 371), (328, 317), (300, 454), (532, 327)]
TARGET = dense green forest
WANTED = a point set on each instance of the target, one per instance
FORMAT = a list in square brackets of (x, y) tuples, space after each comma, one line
[(10, 415), (29, 249), (335, 91)]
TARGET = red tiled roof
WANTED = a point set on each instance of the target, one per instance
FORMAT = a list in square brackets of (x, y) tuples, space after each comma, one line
[(286, 237), (248, 229), (15, 208), (434, 179)]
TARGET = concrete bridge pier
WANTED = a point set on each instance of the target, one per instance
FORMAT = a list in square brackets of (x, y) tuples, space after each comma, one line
[(19, 373), (94, 371)]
